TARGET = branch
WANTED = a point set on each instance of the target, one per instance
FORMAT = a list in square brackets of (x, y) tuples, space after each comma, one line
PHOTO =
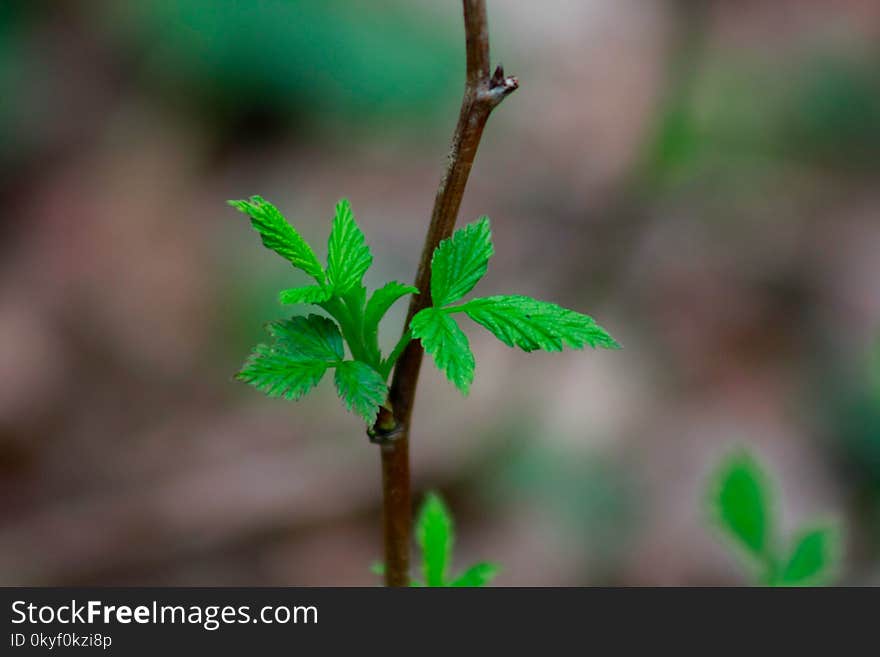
[(483, 92)]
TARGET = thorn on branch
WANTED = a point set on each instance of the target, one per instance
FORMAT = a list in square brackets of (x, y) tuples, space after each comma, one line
[(500, 86), (498, 76)]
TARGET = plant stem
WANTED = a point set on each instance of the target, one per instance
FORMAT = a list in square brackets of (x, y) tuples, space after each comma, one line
[(483, 92), (770, 573), (388, 363), (350, 329)]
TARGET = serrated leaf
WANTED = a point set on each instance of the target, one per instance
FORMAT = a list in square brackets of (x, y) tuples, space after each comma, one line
[(742, 503), (307, 294), (434, 534), (382, 299), (308, 338), (448, 345), (361, 388), (460, 261), (531, 324), (348, 256), (279, 236), (812, 558), (280, 374), (477, 575)]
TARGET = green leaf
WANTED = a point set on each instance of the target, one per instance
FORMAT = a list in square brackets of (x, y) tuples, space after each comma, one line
[(280, 374), (348, 257), (382, 299), (361, 388), (460, 261), (280, 236), (308, 338), (307, 294), (531, 324), (434, 533), (304, 348), (477, 575), (812, 559), (448, 345), (742, 503)]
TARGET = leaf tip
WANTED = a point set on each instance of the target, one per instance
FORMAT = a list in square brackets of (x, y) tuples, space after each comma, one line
[(608, 342)]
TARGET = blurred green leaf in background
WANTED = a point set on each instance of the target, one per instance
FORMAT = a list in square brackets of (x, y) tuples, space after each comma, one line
[(742, 503), (333, 60)]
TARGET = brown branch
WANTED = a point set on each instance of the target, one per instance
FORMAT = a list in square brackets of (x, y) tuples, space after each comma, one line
[(483, 92)]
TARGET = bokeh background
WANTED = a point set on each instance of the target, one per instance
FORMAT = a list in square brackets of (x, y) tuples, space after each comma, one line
[(699, 175)]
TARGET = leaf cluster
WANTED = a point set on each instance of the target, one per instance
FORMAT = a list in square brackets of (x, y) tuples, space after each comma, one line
[(305, 347), (742, 504), (457, 265)]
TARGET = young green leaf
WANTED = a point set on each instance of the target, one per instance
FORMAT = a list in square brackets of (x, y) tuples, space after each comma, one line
[(434, 533), (742, 503), (308, 338), (307, 294), (531, 324), (361, 388), (480, 574), (348, 256), (460, 261), (279, 236), (812, 559), (382, 299), (448, 345), (281, 374), (435, 536), (304, 348)]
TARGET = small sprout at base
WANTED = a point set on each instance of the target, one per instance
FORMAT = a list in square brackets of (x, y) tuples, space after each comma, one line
[(435, 536)]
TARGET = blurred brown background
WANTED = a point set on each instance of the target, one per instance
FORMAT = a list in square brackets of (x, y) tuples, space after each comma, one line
[(700, 176)]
